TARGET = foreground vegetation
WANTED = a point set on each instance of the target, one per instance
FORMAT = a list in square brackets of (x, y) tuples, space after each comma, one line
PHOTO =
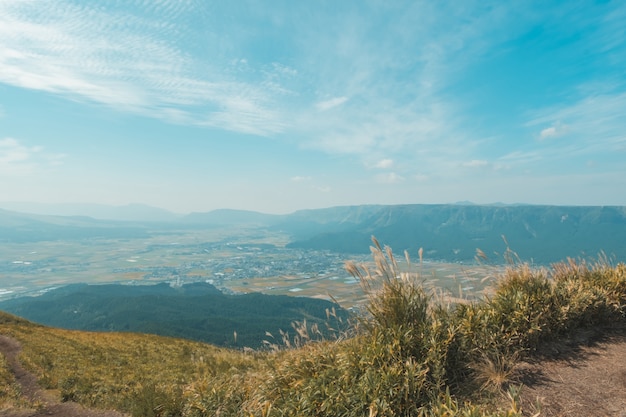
[(412, 353)]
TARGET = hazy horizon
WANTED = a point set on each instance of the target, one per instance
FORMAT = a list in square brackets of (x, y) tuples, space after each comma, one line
[(136, 209), (195, 106)]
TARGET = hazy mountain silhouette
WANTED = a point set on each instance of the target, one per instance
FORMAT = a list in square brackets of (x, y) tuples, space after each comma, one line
[(453, 232)]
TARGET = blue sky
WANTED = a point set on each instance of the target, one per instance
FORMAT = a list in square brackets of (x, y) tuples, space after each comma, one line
[(278, 105)]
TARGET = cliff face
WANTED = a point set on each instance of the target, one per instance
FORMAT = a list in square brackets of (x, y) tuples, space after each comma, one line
[(542, 234)]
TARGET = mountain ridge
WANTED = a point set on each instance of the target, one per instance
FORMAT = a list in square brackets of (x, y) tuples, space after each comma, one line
[(448, 232)]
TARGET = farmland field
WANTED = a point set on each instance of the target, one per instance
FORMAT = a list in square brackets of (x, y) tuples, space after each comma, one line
[(244, 260)]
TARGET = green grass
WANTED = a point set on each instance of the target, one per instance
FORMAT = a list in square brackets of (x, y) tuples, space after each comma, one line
[(411, 353)]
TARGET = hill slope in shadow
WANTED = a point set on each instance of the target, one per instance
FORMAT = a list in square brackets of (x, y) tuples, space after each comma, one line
[(196, 311)]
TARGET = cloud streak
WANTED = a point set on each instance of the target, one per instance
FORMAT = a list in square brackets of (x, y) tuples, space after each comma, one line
[(553, 131), (389, 178), (141, 62), (330, 103), (17, 159), (594, 123), (127, 62), (383, 83), (475, 163), (384, 164)]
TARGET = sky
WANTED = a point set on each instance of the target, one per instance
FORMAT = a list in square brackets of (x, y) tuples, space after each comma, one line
[(276, 106)]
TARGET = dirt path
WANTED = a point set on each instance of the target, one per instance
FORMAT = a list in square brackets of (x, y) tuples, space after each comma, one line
[(50, 406), (585, 376)]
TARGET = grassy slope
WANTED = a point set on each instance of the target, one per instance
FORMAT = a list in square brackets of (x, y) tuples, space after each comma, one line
[(119, 370), (411, 356)]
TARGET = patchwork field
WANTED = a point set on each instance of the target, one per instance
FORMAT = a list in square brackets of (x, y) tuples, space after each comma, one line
[(245, 260)]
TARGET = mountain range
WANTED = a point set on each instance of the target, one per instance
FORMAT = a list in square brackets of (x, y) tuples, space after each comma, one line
[(446, 232)]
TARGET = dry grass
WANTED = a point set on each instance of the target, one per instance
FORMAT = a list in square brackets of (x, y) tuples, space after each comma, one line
[(495, 373), (409, 354), (10, 393)]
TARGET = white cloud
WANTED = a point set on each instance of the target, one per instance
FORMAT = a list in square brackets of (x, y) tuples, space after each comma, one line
[(245, 115), (11, 151), (330, 103), (548, 132), (284, 69), (401, 87), (475, 163), (299, 178), (388, 93), (323, 189), (593, 123), (55, 159), (554, 131), (389, 178), (137, 63), (17, 159), (519, 157), (143, 63), (384, 164)]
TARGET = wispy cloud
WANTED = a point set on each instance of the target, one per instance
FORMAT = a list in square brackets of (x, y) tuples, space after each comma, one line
[(152, 62), (595, 122), (389, 178), (308, 183), (378, 82), (134, 63), (475, 163), (590, 116), (322, 189), (17, 159), (384, 163), (554, 131), (330, 103), (398, 82)]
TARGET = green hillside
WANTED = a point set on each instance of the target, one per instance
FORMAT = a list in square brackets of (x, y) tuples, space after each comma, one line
[(196, 311), (411, 354)]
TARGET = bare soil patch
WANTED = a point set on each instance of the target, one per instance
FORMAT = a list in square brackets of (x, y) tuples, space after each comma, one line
[(584, 375), (48, 404)]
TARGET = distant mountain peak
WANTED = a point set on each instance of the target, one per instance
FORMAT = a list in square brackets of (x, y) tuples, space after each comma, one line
[(127, 212)]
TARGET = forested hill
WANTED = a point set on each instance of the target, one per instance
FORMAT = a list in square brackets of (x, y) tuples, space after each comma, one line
[(542, 234), (196, 311)]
